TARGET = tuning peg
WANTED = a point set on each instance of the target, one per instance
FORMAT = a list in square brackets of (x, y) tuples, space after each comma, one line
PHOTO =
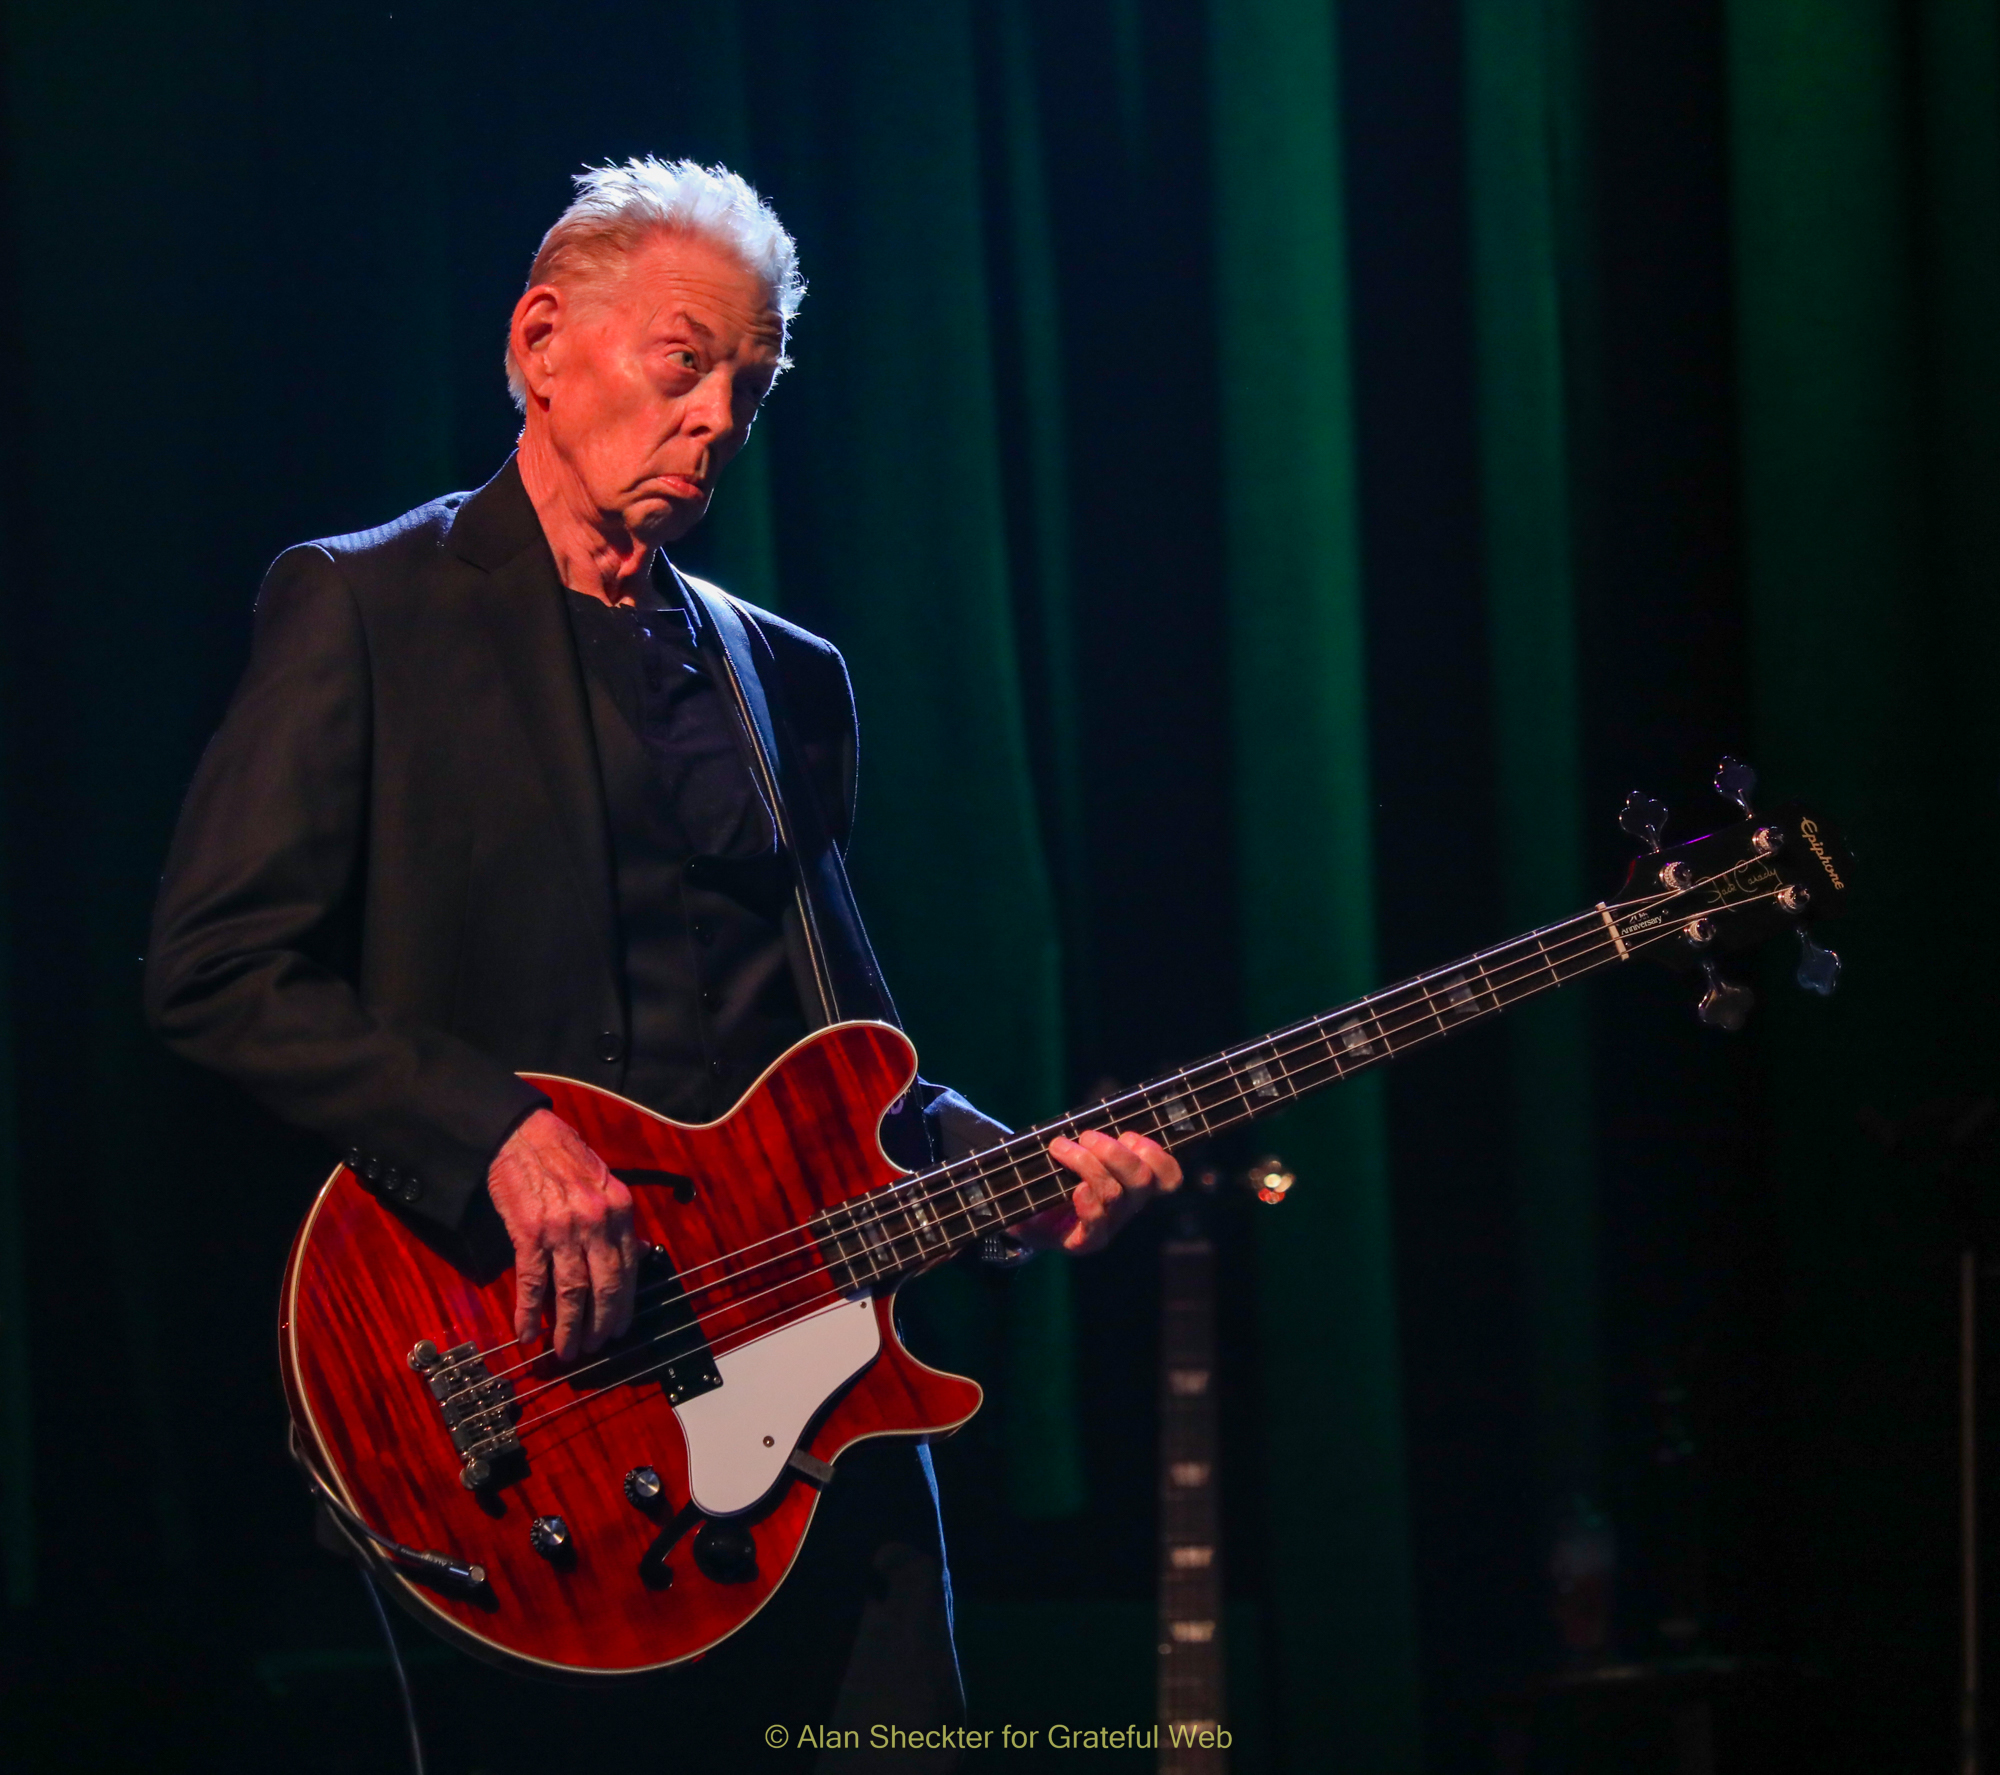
[(1644, 818), (1819, 969), (1736, 781), (1726, 1004)]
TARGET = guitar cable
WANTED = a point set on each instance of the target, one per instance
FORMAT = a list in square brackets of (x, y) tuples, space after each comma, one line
[(435, 1565), (402, 1675), (355, 1532)]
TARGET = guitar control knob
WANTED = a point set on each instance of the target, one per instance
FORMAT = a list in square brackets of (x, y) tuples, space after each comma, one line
[(725, 1552), (549, 1536), (642, 1486)]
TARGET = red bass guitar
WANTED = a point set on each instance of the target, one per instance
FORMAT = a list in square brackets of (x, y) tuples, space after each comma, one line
[(631, 1509)]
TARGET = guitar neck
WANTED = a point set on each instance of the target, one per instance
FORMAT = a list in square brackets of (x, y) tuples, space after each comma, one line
[(927, 1218), (1190, 1643)]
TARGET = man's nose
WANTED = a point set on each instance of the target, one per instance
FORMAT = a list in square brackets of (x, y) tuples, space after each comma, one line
[(712, 407)]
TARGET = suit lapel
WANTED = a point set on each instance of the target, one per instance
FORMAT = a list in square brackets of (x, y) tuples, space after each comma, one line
[(527, 625)]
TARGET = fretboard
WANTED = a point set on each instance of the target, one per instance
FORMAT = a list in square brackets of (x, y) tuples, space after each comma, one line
[(927, 1218)]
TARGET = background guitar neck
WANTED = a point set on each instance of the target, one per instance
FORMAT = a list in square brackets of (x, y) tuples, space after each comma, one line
[(1190, 1642)]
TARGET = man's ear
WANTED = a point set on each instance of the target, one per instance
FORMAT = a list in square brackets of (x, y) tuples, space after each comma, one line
[(538, 323)]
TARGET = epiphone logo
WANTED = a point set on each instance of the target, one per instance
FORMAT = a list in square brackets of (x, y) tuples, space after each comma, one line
[(1809, 831)]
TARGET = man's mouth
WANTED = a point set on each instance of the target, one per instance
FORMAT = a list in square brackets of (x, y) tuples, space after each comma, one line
[(683, 486)]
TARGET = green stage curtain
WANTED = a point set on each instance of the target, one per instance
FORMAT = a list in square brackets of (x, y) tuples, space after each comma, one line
[(1867, 217), (917, 586), (1526, 141), (1341, 1624), (17, 1455)]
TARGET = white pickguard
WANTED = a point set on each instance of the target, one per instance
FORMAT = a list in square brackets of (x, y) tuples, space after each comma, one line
[(740, 1435)]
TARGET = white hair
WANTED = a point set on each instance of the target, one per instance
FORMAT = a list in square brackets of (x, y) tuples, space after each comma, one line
[(618, 207)]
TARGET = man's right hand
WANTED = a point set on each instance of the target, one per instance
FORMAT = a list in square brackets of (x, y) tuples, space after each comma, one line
[(571, 1223)]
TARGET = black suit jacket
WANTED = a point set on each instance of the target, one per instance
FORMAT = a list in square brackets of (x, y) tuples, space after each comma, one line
[(391, 886)]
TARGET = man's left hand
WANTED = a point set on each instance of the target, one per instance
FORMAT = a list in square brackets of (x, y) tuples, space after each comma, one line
[(1117, 1176)]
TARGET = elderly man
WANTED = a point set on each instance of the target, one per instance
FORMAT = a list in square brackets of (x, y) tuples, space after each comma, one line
[(485, 803)]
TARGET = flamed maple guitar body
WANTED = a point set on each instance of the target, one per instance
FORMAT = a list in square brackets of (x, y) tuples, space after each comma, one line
[(363, 1289)]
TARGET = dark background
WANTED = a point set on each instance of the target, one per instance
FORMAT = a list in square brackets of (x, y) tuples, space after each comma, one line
[(259, 263)]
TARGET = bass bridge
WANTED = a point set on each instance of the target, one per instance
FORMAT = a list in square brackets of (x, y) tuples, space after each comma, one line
[(478, 1407)]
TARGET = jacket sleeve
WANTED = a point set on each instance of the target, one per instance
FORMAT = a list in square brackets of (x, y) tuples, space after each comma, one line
[(250, 970), (958, 1130), (955, 1130)]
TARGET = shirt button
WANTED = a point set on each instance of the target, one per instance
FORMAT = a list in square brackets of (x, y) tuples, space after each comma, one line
[(703, 934), (610, 1049), (711, 998)]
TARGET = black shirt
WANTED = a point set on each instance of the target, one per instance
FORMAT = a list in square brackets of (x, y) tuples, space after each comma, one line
[(702, 884)]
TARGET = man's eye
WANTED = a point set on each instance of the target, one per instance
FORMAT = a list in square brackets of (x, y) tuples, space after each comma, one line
[(686, 359)]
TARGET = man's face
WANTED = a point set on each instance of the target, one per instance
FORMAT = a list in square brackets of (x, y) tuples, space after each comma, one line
[(652, 380)]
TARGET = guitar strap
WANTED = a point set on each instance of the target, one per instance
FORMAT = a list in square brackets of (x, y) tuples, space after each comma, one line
[(846, 977)]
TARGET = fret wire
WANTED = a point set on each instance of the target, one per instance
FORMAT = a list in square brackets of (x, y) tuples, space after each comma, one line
[(1332, 1054), (1437, 1016), (955, 1193), (1498, 998)]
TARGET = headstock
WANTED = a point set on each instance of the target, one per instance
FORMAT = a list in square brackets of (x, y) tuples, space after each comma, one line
[(1687, 905)]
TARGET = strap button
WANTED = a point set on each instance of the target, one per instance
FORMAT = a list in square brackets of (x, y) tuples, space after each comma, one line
[(610, 1047)]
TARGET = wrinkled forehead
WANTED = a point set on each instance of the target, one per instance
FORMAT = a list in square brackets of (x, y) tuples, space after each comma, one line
[(688, 283)]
